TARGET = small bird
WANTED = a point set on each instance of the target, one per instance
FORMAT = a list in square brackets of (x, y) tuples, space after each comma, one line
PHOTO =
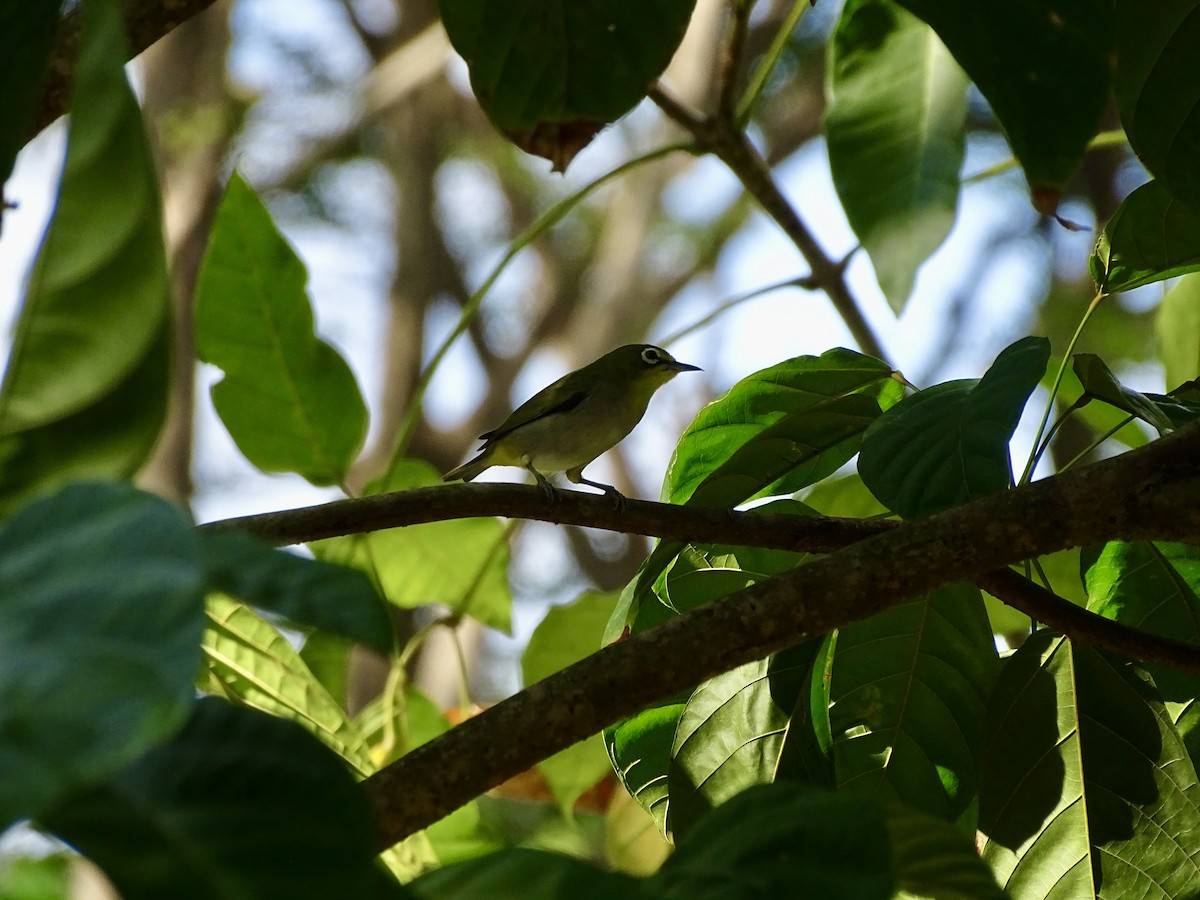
[(565, 426)]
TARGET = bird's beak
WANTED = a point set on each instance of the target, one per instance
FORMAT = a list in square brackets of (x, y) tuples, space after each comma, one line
[(677, 366)]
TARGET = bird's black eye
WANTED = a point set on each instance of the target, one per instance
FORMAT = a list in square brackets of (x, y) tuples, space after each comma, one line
[(651, 356)]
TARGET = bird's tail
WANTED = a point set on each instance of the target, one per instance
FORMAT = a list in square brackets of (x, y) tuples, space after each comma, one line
[(469, 469)]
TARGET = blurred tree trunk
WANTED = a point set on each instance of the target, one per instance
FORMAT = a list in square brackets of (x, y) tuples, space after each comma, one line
[(186, 98)]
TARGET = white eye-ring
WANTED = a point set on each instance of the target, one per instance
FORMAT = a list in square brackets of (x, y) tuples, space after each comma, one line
[(651, 356)]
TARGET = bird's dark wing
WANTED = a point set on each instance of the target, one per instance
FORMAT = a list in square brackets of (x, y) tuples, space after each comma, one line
[(562, 395)]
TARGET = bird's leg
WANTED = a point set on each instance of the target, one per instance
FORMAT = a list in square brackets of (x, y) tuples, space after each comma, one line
[(547, 489), (576, 477)]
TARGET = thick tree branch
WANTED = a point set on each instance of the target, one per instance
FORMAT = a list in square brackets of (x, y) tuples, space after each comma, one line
[(1153, 492), (145, 22)]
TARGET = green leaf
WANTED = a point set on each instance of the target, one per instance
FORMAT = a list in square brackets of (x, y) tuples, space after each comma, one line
[(98, 294), (101, 612), (1153, 587), (247, 659), (1099, 382), (779, 430), (1158, 91), (108, 440), (640, 746), (327, 656), (948, 444), (909, 691), (1085, 780), (1178, 329), (26, 38), (639, 749), (935, 859), (783, 840), (550, 75), (752, 725), (1151, 236), (239, 804), (289, 400), (895, 127), (461, 563), (1045, 75), (307, 592), (568, 634), (90, 343)]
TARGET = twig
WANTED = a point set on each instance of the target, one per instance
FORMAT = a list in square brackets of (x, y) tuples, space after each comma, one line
[(145, 22), (731, 61), (1148, 493), (734, 148)]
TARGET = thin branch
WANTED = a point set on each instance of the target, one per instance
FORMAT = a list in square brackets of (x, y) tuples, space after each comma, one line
[(734, 149), (145, 22), (459, 501), (731, 61), (1153, 492)]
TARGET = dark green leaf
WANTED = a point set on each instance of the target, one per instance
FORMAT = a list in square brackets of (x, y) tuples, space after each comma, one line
[(796, 422), (568, 634), (308, 592), (461, 563), (948, 444), (108, 440), (1178, 327), (749, 726), (910, 688), (935, 859), (26, 38), (895, 129), (552, 74), (90, 344), (1085, 780), (239, 804), (1045, 73), (523, 874), (289, 400), (1158, 91), (98, 295), (1099, 382), (101, 613), (783, 840), (1151, 236)]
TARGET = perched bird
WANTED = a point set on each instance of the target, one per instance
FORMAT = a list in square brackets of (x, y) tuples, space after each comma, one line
[(565, 426)]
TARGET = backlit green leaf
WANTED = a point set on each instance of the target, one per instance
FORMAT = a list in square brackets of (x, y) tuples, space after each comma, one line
[(1151, 236), (289, 400), (1099, 382), (1085, 780), (780, 429), (1178, 328), (84, 392), (895, 128), (462, 563)]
